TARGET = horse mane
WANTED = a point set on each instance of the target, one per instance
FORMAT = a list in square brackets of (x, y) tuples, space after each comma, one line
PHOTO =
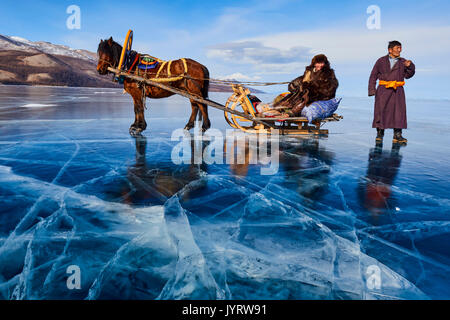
[(114, 50)]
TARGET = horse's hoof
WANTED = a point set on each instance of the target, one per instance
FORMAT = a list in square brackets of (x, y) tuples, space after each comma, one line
[(135, 132), (187, 128), (205, 128)]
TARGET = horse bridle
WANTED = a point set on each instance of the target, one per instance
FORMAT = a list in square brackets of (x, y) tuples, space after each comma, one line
[(109, 64)]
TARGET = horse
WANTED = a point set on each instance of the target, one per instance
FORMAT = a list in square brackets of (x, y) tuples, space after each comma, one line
[(195, 83)]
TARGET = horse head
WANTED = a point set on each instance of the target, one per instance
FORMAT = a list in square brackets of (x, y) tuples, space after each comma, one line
[(108, 55)]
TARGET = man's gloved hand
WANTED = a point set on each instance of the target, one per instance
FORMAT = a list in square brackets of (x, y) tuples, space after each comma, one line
[(298, 108)]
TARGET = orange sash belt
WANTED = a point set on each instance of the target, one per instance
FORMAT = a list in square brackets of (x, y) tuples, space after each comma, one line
[(392, 84)]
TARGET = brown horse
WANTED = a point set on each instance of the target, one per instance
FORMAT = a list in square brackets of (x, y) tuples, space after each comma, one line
[(196, 83)]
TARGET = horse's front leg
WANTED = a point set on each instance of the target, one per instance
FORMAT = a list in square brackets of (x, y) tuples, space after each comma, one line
[(139, 124)]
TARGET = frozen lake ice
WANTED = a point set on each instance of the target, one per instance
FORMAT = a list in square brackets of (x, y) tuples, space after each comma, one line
[(342, 218)]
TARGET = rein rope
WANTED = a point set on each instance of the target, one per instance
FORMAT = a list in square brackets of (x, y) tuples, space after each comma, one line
[(167, 76)]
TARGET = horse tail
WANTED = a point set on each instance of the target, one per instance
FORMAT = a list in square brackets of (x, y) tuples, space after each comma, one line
[(205, 88)]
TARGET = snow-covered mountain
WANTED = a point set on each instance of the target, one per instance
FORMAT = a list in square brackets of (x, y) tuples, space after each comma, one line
[(21, 44), (42, 63)]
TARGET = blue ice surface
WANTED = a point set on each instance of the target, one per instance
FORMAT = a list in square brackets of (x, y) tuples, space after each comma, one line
[(341, 219)]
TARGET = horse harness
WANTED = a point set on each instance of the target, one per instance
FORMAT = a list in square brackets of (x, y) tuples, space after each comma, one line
[(137, 63)]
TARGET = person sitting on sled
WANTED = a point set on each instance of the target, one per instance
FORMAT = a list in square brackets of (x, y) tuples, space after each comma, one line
[(316, 84)]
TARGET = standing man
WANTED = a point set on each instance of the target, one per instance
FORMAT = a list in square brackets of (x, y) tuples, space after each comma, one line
[(390, 102)]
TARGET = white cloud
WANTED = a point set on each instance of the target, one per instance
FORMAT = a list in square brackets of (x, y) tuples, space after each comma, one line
[(351, 52), (240, 77), (346, 45), (287, 68), (254, 52)]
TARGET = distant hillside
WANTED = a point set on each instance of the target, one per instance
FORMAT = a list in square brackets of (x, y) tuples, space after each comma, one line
[(42, 63), (19, 67)]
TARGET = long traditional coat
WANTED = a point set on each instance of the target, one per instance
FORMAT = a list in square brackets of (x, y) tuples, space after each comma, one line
[(390, 104)]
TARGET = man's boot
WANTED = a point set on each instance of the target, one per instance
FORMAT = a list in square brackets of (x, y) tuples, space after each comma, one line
[(398, 137), (380, 135)]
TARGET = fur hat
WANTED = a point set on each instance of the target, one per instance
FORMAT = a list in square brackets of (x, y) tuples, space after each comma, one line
[(320, 58)]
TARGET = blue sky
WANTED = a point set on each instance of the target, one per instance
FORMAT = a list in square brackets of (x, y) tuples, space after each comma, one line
[(256, 40)]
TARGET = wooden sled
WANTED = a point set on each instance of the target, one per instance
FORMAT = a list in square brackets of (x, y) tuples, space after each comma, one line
[(239, 101)]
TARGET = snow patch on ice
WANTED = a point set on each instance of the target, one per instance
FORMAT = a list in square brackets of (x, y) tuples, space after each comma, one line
[(38, 105)]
